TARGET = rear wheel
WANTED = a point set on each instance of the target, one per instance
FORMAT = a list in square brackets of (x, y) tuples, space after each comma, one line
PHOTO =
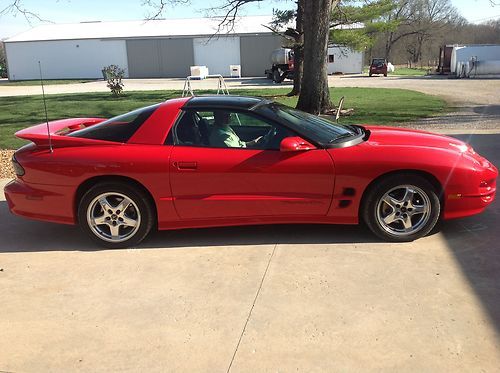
[(115, 215), (402, 208), (277, 76)]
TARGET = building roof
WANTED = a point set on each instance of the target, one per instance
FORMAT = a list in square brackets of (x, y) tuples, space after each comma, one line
[(141, 29)]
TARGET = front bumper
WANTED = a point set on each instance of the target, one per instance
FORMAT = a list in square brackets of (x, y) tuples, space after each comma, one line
[(461, 202), (40, 202)]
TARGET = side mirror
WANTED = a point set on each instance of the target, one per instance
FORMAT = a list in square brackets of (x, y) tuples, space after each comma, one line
[(295, 144)]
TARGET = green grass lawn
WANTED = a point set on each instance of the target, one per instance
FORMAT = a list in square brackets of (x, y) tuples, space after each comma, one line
[(371, 105), (406, 71), (24, 83)]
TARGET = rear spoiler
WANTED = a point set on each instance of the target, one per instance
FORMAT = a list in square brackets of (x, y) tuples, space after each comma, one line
[(58, 131)]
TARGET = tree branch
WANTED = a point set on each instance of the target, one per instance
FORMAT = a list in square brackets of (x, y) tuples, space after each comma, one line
[(17, 7), (160, 5)]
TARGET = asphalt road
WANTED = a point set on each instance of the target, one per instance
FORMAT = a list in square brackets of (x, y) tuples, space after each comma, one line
[(253, 299)]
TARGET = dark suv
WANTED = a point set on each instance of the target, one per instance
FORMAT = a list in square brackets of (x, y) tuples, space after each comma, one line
[(378, 66)]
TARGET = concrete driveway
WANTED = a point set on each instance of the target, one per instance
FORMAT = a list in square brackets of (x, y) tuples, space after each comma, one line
[(253, 299)]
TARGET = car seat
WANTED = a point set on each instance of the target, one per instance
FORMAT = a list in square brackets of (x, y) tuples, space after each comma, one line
[(188, 132), (204, 131)]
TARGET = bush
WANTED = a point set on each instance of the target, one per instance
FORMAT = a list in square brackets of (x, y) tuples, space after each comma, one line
[(114, 75), (3, 71)]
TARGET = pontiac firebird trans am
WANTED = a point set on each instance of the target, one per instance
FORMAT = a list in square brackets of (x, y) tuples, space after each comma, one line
[(229, 160)]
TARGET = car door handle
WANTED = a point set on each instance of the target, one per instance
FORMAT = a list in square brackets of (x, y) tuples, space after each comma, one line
[(186, 165)]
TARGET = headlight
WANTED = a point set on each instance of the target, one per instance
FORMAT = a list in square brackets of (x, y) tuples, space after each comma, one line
[(18, 169)]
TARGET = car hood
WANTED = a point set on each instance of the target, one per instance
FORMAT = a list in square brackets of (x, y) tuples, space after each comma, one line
[(393, 136)]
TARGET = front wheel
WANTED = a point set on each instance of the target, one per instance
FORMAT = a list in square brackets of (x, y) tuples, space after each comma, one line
[(401, 208), (115, 215)]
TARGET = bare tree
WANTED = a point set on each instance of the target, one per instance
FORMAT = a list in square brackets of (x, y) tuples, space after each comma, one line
[(16, 7), (418, 21), (159, 6)]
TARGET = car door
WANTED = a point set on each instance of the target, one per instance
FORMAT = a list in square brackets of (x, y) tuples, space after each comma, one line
[(221, 182)]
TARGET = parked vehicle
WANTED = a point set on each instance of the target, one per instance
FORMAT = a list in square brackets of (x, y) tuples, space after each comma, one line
[(282, 65), (378, 66), (159, 167)]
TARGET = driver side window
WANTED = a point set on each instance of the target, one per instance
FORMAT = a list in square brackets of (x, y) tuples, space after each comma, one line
[(228, 129)]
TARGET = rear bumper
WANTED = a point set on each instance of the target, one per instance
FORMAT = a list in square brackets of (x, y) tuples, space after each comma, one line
[(378, 71), (40, 202)]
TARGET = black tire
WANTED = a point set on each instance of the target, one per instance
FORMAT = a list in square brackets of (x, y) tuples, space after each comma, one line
[(385, 75), (370, 75), (139, 210), (277, 76), (376, 212)]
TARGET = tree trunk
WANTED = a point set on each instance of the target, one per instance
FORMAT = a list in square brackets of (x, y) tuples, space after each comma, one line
[(314, 95), (388, 46), (298, 50)]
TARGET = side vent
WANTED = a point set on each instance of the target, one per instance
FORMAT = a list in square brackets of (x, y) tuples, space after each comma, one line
[(347, 192)]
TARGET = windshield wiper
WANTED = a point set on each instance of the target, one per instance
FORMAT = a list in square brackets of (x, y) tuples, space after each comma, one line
[(340, 137)]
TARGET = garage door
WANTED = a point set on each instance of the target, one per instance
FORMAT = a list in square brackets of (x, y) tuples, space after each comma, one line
[(217, 53), (256, 53), (160, 58)]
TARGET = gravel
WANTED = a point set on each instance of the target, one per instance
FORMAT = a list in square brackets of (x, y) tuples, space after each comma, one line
[(6, 170)]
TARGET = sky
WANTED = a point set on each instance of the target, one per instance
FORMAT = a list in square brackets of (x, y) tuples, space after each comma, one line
[(68, 11)]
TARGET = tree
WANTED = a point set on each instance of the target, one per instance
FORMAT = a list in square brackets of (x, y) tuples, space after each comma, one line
[(284, 17), (3, 61), (315, 96), (419, 20), (365, 22)]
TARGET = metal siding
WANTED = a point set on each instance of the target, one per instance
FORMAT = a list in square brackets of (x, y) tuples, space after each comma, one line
[(65, 59), (143, 58), (160, 58), (176, 56), (256, 53), (217, 53)]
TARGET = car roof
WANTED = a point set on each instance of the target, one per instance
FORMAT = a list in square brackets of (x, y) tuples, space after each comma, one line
[(224, 102)]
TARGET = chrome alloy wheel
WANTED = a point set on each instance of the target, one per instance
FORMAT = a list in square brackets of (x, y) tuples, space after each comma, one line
[(403, 210), (113, 217)]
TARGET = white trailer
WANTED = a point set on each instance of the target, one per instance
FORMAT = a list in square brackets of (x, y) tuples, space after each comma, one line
[(462, 56), (344, 60)]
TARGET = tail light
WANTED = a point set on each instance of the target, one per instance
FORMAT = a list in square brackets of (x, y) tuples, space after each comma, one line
[(18, 169)]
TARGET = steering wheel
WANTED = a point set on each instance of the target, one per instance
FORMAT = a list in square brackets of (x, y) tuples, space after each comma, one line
[(271, 137)]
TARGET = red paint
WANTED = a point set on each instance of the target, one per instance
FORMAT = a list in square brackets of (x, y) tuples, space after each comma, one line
[(201, 187)]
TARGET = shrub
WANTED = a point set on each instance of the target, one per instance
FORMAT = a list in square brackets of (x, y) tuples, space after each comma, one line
[(114, 75)]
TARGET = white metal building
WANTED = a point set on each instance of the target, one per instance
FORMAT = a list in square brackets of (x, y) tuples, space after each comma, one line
[(145, 49), (153, 49)]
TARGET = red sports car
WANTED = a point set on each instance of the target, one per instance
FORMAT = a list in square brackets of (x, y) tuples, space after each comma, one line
[(229, 160)]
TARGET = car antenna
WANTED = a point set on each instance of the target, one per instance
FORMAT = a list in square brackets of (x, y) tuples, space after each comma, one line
[(45, 107)]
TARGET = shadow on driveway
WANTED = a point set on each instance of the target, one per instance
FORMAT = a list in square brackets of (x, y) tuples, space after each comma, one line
[(475, 241), (21, 235)]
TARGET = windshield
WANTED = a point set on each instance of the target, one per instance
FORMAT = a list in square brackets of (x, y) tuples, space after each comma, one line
[(317, 129), (118, 129), (378, 61)]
